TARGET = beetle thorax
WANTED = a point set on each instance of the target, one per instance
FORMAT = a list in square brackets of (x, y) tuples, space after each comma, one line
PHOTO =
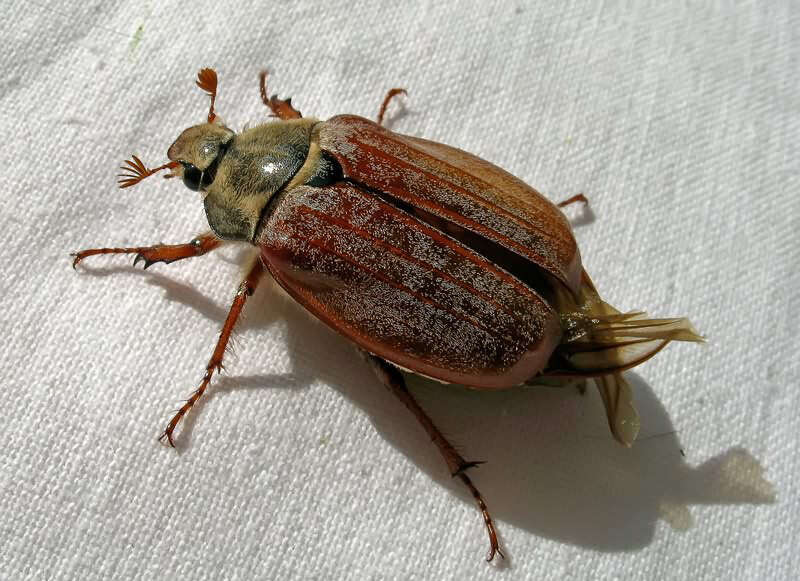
[(239, 173)]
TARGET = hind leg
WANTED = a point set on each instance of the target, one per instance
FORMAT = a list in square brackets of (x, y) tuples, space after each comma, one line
[(393, 379)]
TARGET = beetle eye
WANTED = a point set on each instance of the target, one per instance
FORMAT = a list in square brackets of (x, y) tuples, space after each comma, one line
[(191, 176)]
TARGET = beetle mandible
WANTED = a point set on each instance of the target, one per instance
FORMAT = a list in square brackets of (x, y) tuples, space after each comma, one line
[(428, 258)]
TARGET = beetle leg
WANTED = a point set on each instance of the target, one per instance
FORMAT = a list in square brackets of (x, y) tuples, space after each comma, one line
[(576, 198), (393, 379), (159, 253), (246, 288), (389, 96), (280, 108)]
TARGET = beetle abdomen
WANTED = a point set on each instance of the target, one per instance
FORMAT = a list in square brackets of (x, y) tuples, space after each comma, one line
[(403, 290)]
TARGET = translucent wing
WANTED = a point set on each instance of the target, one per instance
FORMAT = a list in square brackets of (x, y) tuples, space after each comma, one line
[(601, 342)]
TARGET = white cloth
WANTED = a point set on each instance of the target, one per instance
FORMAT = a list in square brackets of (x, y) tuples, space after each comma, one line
[(681, 123)]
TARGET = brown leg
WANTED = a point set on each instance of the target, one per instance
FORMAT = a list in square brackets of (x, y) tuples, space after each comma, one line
[(159, 253), (573, 199), (246, 289), (389, 96), (393, 379), (280, 108)]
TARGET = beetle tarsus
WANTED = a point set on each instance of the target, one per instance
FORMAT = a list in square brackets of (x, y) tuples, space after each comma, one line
[(188, 404), (494, 545), (391, 94), (166, 435), (576, 198)]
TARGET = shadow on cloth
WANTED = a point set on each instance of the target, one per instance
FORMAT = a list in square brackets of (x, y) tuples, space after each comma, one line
[(552, 466)]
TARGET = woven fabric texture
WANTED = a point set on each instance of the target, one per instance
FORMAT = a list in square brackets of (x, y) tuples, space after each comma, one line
[(680, 121)]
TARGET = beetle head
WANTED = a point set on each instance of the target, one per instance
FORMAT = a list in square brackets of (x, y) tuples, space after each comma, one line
[(198, 151), (195, 153), (199, 148), (237, 175)]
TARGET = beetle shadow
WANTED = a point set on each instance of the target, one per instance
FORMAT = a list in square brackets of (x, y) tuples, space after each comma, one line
[(553, 468)]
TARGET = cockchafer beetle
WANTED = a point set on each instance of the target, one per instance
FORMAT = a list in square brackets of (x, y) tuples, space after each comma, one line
[(429, 259)]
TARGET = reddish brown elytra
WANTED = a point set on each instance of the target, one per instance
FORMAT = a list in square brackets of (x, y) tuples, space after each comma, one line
[(428, 258)]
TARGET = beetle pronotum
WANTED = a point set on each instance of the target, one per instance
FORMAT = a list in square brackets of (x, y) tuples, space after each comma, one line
[(429, 259)]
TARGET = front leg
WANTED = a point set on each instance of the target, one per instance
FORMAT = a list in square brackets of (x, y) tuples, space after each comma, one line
[(280, 108), (160, 252), (246, 288), (393, 379)]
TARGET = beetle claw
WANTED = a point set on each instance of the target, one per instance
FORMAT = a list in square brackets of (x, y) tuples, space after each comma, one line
[(140, 257), (167, 435), (494, 550)]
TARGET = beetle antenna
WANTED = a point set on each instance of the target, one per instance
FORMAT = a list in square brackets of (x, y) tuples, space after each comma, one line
[(207, 81), (134, 171)]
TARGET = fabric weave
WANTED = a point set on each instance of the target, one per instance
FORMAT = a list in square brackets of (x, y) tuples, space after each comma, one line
[(679, 121)]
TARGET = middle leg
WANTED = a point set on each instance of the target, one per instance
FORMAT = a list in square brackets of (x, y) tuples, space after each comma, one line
[(246, 289)]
